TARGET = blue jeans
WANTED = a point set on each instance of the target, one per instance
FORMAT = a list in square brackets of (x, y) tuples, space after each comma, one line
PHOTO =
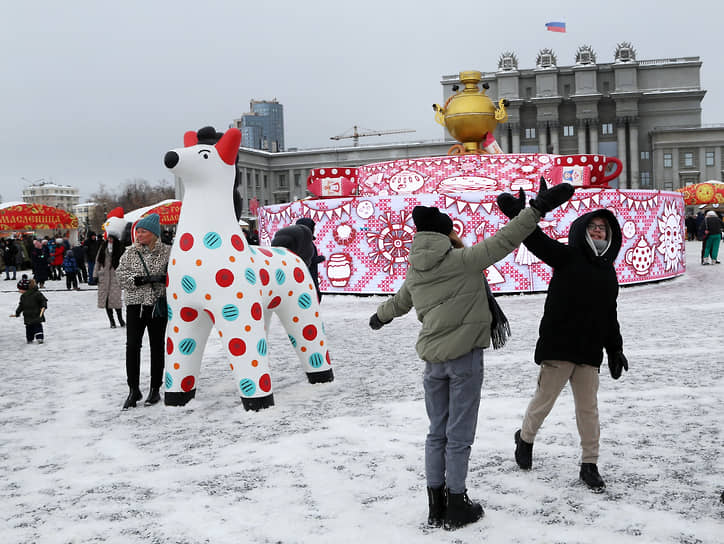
[(452, 398), (10, 268)]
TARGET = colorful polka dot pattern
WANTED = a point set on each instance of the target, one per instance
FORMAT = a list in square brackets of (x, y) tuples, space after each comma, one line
[(215, 275)]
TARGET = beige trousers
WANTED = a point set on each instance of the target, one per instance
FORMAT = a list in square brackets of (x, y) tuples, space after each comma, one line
[(584, 384)]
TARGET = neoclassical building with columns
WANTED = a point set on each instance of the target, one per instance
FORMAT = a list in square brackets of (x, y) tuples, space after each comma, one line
[(645, 112), (590, 106)]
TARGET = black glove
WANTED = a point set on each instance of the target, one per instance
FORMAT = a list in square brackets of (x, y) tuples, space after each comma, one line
[(510, 205), (376, 323), (549, 199), (617, 363), (140, 280)]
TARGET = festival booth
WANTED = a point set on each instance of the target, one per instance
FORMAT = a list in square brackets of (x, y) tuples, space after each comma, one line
[(364, 222), (704, 193), (41, 220), (168, 211)]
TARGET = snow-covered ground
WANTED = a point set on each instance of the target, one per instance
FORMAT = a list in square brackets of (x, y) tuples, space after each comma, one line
[(343, 462)]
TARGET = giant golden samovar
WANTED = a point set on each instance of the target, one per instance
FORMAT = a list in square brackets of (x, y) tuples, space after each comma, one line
[(469, 115)]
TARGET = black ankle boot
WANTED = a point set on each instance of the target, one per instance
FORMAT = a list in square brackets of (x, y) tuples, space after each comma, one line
[(590, 476), (461, 511), (153, 396), (436, 504), (523, 452), (133, 396)]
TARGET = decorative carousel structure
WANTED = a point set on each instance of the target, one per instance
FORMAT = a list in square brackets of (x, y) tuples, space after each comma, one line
[(363, 215)]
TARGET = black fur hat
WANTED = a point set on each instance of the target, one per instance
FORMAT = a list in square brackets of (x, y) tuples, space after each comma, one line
[(430, 219)]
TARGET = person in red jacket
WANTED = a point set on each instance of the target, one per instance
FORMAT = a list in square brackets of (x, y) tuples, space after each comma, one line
[(56, 261)]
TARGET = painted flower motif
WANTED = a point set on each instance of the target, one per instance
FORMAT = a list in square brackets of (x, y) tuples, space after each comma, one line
[(671, 239)]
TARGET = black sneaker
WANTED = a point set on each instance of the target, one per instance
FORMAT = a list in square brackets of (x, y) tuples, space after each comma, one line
[(523, 452), (590, 476)]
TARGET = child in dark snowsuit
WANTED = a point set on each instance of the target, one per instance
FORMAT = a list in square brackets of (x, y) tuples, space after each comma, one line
[(32, 305)]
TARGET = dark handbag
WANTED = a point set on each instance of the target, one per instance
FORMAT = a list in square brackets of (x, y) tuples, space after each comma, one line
[(160, 307)]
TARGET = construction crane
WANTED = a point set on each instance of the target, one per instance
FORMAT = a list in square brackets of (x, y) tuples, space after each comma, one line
[(356, 135)]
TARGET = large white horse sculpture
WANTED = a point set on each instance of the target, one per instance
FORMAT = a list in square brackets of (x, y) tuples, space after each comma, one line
[(216, 279)]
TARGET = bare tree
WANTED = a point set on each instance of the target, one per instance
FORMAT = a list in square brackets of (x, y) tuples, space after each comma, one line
[(134, 194)]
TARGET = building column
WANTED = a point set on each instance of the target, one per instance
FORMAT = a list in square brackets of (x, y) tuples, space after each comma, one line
[(623, 181), (717, 162), (291, 187), (542, 141), (582, 128), (703, 175), (633, 135), (555, 127), (593, 132), (516, 140), (675, 181)]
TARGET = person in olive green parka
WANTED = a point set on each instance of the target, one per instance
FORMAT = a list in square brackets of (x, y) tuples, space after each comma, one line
[(445, 285)]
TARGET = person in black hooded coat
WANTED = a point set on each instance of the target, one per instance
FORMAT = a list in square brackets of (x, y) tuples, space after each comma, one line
[(316, 257), (579, 322)]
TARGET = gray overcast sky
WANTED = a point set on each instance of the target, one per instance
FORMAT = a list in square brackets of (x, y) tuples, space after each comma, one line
[(96, 92)]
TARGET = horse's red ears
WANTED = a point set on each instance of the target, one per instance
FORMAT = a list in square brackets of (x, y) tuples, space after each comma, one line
[(190, 138), (228, 146)]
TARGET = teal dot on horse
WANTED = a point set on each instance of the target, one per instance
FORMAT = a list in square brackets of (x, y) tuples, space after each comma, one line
[(188, 284), (247, 387), (316, 360), (305, 301), (169, 313), (169, 381), (280, 276), (292, 340), (187, 346), (250, 275), (261, 347), (212, 240), (279, 251), (230, 312)]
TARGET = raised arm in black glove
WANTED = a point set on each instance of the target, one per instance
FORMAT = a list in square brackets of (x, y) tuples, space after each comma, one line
[(510, 205), (376, 323), (549, 199), (617, 363)]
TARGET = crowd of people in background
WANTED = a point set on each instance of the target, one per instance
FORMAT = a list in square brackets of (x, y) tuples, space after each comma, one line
[(49, 258)]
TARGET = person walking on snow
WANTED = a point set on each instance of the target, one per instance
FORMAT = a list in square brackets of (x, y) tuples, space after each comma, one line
[(32, 305), (712, 233), (579, 322), (445, 285)]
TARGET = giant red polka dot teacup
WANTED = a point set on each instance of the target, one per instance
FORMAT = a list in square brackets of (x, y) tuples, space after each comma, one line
[(585, 170)]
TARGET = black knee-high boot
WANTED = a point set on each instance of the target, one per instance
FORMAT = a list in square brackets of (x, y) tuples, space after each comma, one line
[(119, 313), (110, 317)]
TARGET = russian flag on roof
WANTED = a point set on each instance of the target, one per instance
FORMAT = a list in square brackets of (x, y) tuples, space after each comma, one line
[(556, 26)]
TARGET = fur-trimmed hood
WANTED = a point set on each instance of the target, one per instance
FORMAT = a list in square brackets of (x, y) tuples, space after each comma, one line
[(578, 236)]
